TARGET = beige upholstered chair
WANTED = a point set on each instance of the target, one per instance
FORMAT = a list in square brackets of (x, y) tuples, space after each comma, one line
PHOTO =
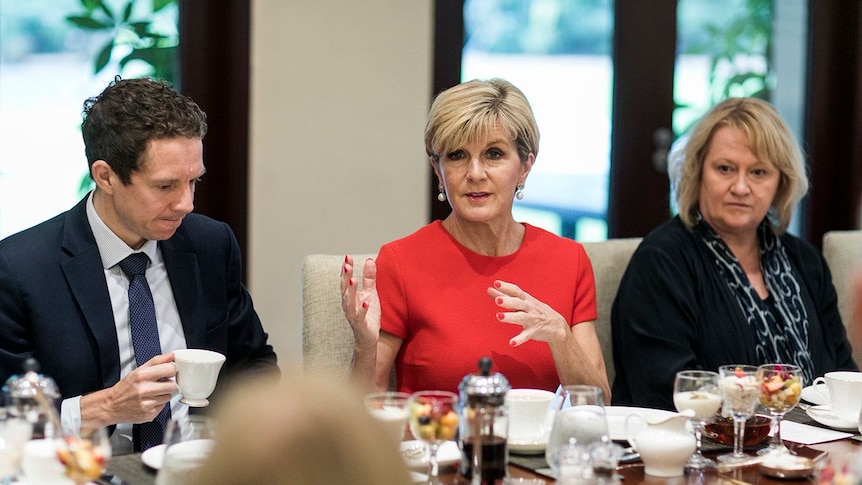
[(610, 259), (843, 252), (328, 342)]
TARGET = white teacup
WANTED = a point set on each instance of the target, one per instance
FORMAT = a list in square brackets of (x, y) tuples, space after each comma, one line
[(197, 374), (845, 393), (40, 465), (530, 419)]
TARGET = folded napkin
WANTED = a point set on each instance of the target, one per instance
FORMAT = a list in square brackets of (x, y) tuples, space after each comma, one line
[(809, 435)]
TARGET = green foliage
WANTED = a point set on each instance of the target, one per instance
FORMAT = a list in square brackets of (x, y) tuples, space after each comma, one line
[(747, 34), (136, 39)]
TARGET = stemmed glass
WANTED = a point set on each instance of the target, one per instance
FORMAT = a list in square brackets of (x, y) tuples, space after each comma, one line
[(741, 390), (433, 418), (780, 389), (14, 433), (579, 419), (697, 390)]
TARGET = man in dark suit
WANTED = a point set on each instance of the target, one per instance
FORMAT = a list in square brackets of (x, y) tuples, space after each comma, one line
[(65, 300)]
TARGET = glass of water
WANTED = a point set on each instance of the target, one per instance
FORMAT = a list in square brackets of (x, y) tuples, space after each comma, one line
[(579, 419), (188, 442), (14, 434)]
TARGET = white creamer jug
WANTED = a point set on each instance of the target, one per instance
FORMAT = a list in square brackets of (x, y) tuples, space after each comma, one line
[(664, 443)]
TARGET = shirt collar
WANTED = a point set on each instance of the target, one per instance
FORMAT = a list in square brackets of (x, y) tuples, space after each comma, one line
[(112, 249)]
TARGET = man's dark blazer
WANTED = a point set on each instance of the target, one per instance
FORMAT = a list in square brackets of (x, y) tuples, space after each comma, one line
[(55, 306)]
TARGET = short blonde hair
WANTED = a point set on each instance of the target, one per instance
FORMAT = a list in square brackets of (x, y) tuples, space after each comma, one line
[(471, 111), (769, 138), (309, 429)]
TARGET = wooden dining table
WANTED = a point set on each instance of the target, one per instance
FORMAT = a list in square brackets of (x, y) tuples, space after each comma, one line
[(129, 469)]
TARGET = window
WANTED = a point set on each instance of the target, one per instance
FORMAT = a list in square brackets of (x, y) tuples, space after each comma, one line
[(46, 72)]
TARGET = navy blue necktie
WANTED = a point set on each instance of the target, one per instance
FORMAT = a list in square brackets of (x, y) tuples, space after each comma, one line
[(145, 340)]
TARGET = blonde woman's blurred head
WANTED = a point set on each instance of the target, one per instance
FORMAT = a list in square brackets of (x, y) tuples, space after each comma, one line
[(305, 431)]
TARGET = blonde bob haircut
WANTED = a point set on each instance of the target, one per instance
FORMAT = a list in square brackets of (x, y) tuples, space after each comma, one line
[(472, 111), (769, 139)]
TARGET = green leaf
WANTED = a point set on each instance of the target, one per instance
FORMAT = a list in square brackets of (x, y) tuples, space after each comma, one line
[(88, 23), (160, 4), (104, 7), (90, 5), (127, 12), (104, 56)]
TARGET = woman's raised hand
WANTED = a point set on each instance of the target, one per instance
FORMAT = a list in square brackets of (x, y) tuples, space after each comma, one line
[(539, 320), (361, 307)]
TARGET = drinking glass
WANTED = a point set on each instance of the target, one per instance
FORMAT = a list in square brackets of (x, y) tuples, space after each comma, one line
[(697, 390), (740, 389), (579, 419), (14, 433), (188, 442), (433, 418), (780, 390), (390, 409)]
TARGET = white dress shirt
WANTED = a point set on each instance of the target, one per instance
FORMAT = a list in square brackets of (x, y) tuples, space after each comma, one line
[(112, 250)]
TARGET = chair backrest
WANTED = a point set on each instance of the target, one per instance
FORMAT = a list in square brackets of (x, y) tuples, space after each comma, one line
[(843, 253), (610, 259), (327, 340)]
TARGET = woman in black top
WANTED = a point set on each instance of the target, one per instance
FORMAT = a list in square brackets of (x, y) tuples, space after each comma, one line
[(723, 283)]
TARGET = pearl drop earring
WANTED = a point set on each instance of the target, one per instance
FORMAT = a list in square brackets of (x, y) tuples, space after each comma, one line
[(441, 196)]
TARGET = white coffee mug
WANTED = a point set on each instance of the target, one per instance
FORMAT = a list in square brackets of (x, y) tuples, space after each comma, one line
[(197, 374), (530, 419), (845, 393)]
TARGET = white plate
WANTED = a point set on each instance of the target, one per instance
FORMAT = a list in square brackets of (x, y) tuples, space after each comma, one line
[(527, 447), (154, 457), (447, 455), (810, 394), (823, 415), (616, 416)]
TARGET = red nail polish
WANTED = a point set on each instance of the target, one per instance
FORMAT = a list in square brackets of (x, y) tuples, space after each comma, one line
[(345, 259), (497, 284), (501, 316), (344, 268), (512, 343), (350, 282), (364, 304), (499, 300)]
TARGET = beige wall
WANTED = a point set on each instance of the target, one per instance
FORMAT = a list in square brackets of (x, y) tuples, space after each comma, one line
[(339, 94)]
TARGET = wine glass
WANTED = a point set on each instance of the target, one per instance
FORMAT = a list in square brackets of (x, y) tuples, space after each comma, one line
[(697, 390), (780, 390), (85, 454), (433, 418), (579, 417), (740, 389), (14, 433), (390, 409), (188, 442)]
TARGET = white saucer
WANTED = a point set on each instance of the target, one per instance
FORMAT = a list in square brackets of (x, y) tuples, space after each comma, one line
[(154, 457), (527, 447), (809, 393), (824, 416), (447, 455)]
